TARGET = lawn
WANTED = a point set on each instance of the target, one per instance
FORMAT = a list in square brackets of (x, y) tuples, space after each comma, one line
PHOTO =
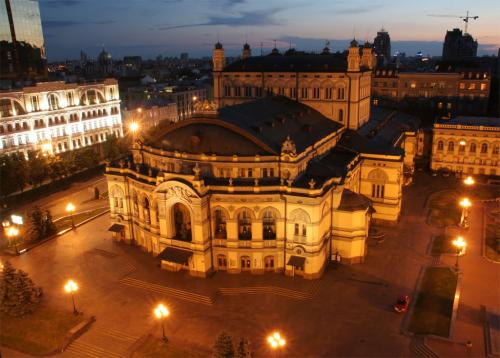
[(434, 304), (65, 222), (39, 333), (442, 244), (492, 249), (154, 347), (444, 208)]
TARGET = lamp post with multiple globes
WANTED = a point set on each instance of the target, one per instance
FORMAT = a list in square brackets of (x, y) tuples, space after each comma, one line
[(465, 204), (71, 287), (277, 342), (460, 244), (70, 208), (161, 312)]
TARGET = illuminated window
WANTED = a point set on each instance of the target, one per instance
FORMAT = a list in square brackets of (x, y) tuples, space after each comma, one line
[(483, 86), (462, 85), (440, 145), (413, 85), (472, 86)]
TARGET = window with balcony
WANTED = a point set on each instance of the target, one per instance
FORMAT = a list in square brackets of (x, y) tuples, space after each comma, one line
[(244, 225), (269, 225)]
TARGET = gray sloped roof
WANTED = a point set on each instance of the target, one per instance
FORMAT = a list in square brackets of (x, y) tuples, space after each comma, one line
[(354, 141), (272, 119), (290, 63)]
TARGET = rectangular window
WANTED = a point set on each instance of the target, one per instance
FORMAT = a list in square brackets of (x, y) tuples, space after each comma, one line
[(258, 91), (35, 104), (483, 86), (316, 93), (250, 173), (264, 173), (328, 93), (227, 91), (271, 172), (237, 91), (303, 93), (248, 91), (242, 173), (462, 85), (293, 92), (281, 91), (341, 115)]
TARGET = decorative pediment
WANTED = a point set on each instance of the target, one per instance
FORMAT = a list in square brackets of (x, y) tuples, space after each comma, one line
[(288, 147), (205, 107)]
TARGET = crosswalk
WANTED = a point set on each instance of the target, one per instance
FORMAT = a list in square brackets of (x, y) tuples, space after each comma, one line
[(167, 291), (278, 291)]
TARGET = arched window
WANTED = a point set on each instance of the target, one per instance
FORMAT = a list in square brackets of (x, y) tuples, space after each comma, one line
[(440, 145), (484, 148), (182, 222), (53, 102), (300, 219), (451, 146), (472, 148), (117, 197), (145, 210), (244, 225), (220, 224), (340, 93), (268, 225)]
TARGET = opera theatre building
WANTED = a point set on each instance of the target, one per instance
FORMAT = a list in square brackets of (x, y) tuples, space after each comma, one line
[(270, 184)]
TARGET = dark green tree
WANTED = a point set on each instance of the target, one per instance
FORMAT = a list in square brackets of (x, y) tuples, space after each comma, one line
[(49, 226), (223, 346), (38, 168), (37, 224), (18, 294), (20, 171), (243, 348)]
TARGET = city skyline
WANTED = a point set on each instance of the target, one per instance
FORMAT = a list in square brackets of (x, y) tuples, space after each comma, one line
[(141, 27)]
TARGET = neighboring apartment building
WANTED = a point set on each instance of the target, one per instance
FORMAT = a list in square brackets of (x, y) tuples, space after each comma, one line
[(151, 114), (56, 117), (451, 93), (336, 85), (467, 145)]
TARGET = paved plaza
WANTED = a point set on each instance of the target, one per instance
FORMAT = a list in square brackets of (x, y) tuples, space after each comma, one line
[(348, 312)]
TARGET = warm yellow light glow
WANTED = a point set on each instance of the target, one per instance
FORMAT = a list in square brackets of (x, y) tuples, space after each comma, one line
[(276, 341), (161, 311), (71, 286), (12, 231), (462, 142), (139, 110), (47, 148), (195, 98), (459, 242), (134, 127), (465, 203), (70, 208), (469, 181)]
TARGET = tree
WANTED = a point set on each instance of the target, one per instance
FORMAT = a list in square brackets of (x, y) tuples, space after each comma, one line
[(223, 347), (49, 226), (18, 294), (38, 168), (37, 224), (243, 348)]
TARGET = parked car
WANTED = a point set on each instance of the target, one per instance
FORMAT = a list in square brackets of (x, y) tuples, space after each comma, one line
[(402, 304)]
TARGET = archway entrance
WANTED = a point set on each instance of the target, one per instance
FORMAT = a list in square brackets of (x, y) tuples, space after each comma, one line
[(182, 222)]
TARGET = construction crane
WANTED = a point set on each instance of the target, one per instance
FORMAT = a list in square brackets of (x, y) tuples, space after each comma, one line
[(465, 18)]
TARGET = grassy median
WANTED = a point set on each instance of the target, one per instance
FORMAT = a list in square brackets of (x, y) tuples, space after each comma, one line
[(39, 333), (65, 222), (434, 303), (444, 208)]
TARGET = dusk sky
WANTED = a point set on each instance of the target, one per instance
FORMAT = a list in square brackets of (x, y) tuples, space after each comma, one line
[(168, 27)]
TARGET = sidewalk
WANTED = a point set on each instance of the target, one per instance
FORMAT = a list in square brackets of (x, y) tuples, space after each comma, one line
[(480, 286)]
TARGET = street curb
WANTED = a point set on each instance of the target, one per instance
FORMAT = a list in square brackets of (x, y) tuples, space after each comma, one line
[(483, 238), (60, 233), (76, 332)]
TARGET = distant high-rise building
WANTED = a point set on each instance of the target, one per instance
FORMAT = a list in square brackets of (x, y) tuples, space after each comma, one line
[(382, 47), (22, 47), (184, 56), (458, 45)]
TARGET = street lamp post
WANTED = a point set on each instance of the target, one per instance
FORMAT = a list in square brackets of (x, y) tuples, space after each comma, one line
[(465, 203), (12, 233), (133, 127), (161, 312), (469, 181), (276, 342), (71, 287), (70, 208), (460, 244)]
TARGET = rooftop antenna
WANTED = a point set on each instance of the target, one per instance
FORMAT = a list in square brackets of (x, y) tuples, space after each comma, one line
[(290, 46), (261, 45), (274, 43)]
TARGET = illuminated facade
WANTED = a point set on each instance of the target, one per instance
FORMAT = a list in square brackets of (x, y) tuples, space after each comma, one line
[(460, 91), (266, 185), (336, 85), (57, 117), (22, 47), (468, 145)]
